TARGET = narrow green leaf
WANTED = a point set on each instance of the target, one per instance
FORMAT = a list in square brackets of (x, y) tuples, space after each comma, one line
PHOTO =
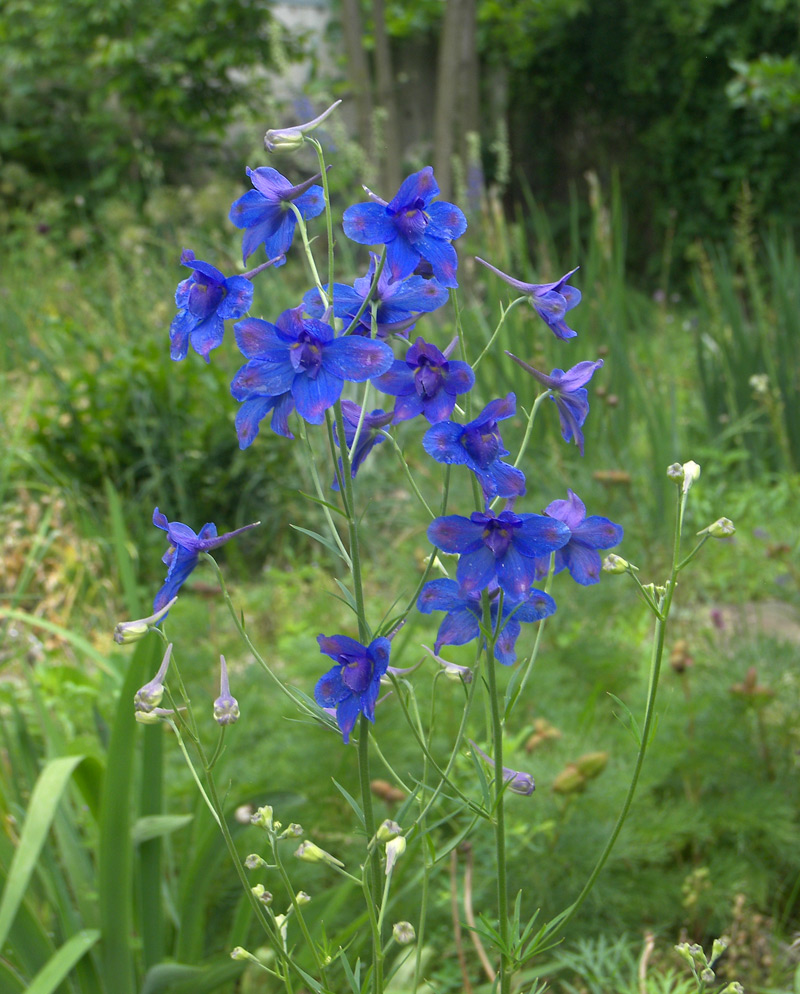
[(121, 545), (322, 540), (157, 826), (177, 978), (41, 811), (347, 596), (324, 503), (115, 852), (352, 802), (631, 725), (57, 968)]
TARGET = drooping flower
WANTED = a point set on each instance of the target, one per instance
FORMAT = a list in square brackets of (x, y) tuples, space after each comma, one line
[(568, 390), (265, 215), (369, 436), (579, 554), (132, 631), (301, 361), (461, 623), (351, 686), (184, 551), (399, 302), (205, 301), (426, 382), (551, 301), (479, 446), (411, 228), (518, 781), (502, 548), (148, 697)]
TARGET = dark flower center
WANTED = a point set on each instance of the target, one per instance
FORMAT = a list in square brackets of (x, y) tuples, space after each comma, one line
[(482, 443), (356, 673), (497, 537), (427, 379), (204, 299), (413, 221), (306, 355)]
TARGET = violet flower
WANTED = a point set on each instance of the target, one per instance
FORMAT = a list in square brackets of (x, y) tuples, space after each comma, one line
[(579, 554), (352, 685), (569, 393), (551, 301), (426, 382), (369, 436)]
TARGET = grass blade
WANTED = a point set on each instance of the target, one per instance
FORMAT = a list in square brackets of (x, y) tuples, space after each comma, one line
[(57, 968)]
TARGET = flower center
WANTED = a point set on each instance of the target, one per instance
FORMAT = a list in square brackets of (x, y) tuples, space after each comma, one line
[(482, 443), (427, 379), (204, 299), (306, 355)]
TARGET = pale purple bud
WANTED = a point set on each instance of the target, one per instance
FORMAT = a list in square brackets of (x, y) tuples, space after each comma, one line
[(226, 708), (148, 697), (289, 139), (518, 781), (394, 850)]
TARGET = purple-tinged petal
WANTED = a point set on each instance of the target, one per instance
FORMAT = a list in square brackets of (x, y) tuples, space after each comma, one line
[(257, 339), (537, 606), (476, 570), (253, 209), (416, 294), (539, 535), (262, 379), (269, 183), (440, 595), (313, 397), (398, 380), (212, 274), (442, 442), (368, 224), (339, 645), (571, 511), (501, 480), (442, 257), (182, 293), (447, 220), (330, 689), (346, 714), (499, 409), (284, 405), (249, 417), (439, 407), (407, 407), (401, 258), (458, 627), (598, 533), (583, 564), (207, 335), (357, 359), (179, 332), (578, 376), (515, 574), (455, 533), (418, 186), (459, 378), (356, 675), (311, 204), (238, 300), (505, 646)]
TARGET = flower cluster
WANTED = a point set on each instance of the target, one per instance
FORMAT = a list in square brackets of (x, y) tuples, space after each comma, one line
[(298, 365)]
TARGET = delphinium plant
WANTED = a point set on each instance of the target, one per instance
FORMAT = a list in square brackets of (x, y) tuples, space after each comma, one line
[(303, 369)]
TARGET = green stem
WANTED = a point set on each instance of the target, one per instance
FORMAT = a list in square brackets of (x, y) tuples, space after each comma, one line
[(301, 225), (372, 871), (328, 215), (503, 314), (659, 635), (499, 821), (366, 301), (337, 538)]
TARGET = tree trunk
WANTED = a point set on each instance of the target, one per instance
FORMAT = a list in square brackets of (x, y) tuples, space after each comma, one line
[(388, 149), (358, 73)]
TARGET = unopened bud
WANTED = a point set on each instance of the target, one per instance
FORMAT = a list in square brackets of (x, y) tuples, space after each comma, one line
[(240, 953), (293, 831), (290, 139), (691, 472), (707, 975), (263, 817), (311, 853), (387, 831), (302, 898), (719, 947), (403, 933), (721, 528), (732, 988), (394, 850), (254, 862), (226, 708), (616, 564), (675, 473), (682, 949), (132, 631), (262, 894), (149, 696)]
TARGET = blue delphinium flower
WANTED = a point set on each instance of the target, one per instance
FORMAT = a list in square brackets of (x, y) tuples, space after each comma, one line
[(205, 301), (479, 446), (302, 357), (551, 301), (255, 407), (369, 436), (265, 214), (426, 382), (502, 548), (568, 390), (399, 303), (579, 555), (184, 551), (464, 610), (352, 685), (411, 228)]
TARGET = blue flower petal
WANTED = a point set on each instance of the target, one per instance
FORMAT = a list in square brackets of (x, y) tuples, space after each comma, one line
[(179, 331), (447, 220), (539, 535), (207, 335), (515, 573), (339, 645), (313, 397), (368, 224), (598, 533), (458, 627), (257, 339), (401, 258), (330, 689), (505, 646), (418, 186), (346, 714), (442, 257), (238, 300), (476, 569), (584, 564), (439, 595), (443, 443), (249, 417), (262, 379), (455, 533), (357, 359)]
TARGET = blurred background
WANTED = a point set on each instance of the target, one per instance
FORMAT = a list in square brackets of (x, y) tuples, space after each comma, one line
[(655, 144)]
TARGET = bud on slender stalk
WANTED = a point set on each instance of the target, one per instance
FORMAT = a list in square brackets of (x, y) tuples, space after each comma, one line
[(311, 853), (394, 850), (148, 697), (226, 708), (721, 528), (132, 631), (290, 139)]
